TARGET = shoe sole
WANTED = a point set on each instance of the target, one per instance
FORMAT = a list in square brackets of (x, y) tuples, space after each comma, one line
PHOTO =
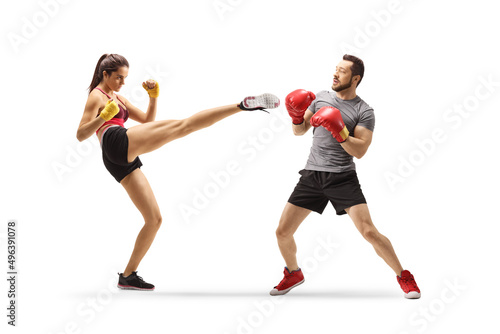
[(412, 295), (275, 292), (269, 101), (129, 287)]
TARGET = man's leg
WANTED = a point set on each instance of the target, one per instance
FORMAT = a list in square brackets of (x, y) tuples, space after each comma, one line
[(290, 220), (363, 222)]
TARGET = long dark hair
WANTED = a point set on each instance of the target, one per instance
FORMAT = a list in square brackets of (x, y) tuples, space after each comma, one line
[(109, 63)]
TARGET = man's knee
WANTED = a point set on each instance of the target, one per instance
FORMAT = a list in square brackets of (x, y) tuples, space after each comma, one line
[(282, 232), (370, 233)]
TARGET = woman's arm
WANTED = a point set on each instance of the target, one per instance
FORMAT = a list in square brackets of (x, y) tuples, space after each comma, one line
[(138, 115), (89, 123)]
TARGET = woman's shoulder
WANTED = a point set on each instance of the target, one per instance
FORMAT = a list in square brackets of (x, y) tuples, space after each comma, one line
[(96, 93), (96, 97)]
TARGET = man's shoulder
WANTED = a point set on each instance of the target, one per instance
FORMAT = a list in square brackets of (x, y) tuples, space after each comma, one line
[(362, 106)]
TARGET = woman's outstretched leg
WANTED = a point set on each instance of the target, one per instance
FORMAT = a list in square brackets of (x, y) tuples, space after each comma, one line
[(148, 137)]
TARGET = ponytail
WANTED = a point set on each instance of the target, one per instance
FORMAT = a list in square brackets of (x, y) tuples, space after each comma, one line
[(109, 63), (96, 79)]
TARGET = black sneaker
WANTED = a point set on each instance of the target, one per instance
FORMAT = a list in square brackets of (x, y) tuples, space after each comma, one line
[(259, 102), (134, 282)]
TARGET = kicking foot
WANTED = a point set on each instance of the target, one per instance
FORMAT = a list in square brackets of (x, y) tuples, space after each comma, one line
[(260, 102)]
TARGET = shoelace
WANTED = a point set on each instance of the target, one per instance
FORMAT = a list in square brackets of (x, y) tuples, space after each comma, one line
[(409, 281), (140, 278), (280, 283)]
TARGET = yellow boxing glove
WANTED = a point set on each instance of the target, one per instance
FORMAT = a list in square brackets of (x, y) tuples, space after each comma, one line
[(110, 110), (152, 92)]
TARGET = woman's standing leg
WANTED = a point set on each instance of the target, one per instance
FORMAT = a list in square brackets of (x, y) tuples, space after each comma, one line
[(141, 194)]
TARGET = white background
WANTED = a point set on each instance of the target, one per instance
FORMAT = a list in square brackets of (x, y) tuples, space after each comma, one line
[(214, 269)]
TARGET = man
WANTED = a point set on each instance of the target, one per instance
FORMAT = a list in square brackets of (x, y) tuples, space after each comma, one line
[(344, 126)]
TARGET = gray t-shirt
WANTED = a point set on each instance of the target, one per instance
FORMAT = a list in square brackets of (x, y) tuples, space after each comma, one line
[(327, 155)]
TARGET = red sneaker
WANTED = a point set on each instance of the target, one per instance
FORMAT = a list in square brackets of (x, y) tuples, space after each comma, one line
[(290, 281), (408, 284)]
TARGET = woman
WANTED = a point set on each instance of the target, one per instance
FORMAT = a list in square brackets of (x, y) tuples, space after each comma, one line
[(106, 112)]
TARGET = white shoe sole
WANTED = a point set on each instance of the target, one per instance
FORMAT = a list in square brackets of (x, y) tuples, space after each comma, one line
[(266, 101), (276, 292), (412, 295)]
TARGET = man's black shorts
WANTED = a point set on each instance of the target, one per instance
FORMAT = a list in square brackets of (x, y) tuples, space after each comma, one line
[(315, 189)]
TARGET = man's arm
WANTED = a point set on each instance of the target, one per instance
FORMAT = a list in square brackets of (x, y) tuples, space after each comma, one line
[(302, 128), (297, 103), (331, 119), (358, 145)]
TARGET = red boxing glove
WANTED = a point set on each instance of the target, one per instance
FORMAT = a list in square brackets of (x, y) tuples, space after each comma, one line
[(297, 103), (331, 119)]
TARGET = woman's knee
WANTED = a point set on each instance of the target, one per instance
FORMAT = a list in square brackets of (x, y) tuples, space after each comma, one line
[(183, 127), (154, 221)]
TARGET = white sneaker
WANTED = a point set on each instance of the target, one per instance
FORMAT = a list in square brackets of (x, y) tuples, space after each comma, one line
[(260, 102)]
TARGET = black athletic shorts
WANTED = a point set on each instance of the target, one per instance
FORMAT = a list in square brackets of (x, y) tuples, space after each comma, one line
[(315, 189), (114, 144)]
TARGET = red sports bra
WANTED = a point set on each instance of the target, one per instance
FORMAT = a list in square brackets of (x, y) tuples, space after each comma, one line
[(119, 118)]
